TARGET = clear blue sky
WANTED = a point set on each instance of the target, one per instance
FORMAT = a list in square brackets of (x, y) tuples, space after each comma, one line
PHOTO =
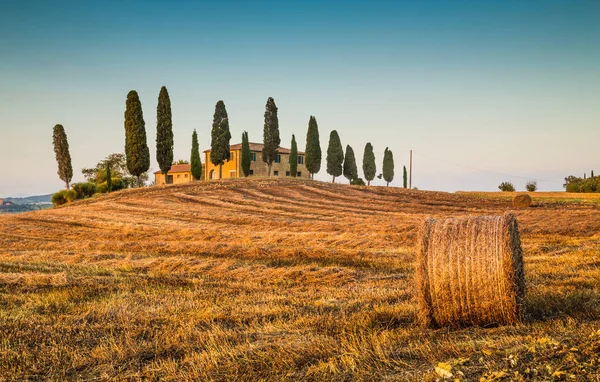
[(511, 87)]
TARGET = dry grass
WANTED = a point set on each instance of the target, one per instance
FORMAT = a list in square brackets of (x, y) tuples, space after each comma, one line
[(278, 280)]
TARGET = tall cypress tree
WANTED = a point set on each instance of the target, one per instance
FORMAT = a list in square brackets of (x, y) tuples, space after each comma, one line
[(108, 177), (350, 170), (271, 139), (164, 132), (136, 147), (335, 156), (246, 154), (294, 158), (195, 161), (404, 178), (220, 137), (63, 157), (388, 166), (313, 148), (592, 174), (369, 167)]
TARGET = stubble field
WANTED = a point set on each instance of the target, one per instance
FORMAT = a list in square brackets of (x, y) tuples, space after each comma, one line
[(279, 280)]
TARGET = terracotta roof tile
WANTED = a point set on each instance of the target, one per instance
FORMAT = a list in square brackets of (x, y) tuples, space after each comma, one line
[(178, 168)]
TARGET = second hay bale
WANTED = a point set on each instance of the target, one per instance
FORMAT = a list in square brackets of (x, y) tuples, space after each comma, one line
[(522, 201), (470, 272)]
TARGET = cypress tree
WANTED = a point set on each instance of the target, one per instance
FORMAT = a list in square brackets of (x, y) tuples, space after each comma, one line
[(220, 137), (313, 148), (164, 132), (195, 161), (350, 170), (294, 158), (63, 157), (405, 178), (108, 177), (335, 156), (388, 166), (271, 139), (592, 174), (246, 154), (136, 147), (369, 167)]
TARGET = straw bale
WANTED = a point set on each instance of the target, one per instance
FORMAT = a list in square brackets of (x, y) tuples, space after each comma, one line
[(522, 201)]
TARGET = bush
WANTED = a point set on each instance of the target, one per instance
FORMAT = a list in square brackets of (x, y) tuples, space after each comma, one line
[(63, 197), (117, 184), (574, 184), (357, 182), (531, 186), (506, 186), (102, 188), (84, 190)]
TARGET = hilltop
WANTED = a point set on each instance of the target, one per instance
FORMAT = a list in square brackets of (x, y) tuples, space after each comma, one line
[(276, 279)]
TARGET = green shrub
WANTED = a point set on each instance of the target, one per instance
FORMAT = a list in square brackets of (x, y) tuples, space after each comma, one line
[(506, 186), (357, 182), (531, 186), (70, 196), (575, 184), (117, 184), (58, 199), (102, 188), (84, 190)]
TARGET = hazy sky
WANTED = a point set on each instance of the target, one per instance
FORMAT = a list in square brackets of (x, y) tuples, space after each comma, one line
[(511, 87)]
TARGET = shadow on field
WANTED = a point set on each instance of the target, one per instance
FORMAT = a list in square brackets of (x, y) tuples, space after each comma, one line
[(581, 304)]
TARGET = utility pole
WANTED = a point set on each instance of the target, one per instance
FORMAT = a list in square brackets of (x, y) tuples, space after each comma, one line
[(410, 176)]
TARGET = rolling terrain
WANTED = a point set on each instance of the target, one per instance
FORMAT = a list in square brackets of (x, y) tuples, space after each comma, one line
[(279, 279)]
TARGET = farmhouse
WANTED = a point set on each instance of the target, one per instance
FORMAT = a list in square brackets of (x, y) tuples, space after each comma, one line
[(179, 173), (233, 167)]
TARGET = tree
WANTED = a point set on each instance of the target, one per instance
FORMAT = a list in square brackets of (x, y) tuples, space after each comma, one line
[(63, 157), (369, 167), (136, 147), (108, 178), (506, 186), (404, 178), (294, 158), (220, 137), (350, 170), (592, 174), (335, 155), (388, 166), (313, 148), (246, 154), (531, 186), (196, 162), (118, 169), (271, 139), (164, 132)]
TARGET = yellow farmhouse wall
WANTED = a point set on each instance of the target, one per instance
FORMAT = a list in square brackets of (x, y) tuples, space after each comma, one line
[(233, 168), (178, 177)]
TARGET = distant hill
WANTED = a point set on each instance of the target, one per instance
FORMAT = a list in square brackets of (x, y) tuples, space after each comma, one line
[(38, 199)]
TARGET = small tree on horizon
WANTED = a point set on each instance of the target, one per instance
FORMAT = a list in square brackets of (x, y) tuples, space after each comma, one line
[(369, 167), (294, 157), (335, 156), (108, 178), (313, 148), (531, 186), (271, 139), (220, 137), (388, 166), (350, 170), (404, 177), (136, 146), (63, 157), (195, 161), (246, 154), (164, 132)]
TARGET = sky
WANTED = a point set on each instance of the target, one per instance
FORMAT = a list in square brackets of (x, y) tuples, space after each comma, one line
[(481, 91)]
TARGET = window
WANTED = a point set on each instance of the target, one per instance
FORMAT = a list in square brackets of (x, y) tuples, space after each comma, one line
[(300, 159), (276, 173), (278, 159), (287, 173), (185, 176), (253, 158), (298, 173), (232, 174), (251, 172), (179, 175), (169, 179), (232, 155)]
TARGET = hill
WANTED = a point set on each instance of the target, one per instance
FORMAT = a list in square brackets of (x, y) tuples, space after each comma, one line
[(37, 199), (277, 279)]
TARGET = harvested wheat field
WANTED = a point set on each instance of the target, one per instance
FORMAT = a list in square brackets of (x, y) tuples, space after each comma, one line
[(280, 280)]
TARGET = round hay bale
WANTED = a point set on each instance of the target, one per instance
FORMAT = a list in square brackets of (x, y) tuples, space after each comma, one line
[(522, 201), (469, 271)]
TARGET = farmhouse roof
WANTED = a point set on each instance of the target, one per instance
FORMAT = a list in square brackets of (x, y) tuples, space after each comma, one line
[(257, 147), (178, 168)]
